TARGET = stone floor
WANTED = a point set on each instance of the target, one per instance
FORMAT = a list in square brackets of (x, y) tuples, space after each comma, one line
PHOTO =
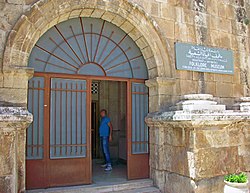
[(131, 186), (117, 175)]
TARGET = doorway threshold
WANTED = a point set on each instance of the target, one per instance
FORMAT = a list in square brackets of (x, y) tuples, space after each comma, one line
[(132, 186), (117, 175)]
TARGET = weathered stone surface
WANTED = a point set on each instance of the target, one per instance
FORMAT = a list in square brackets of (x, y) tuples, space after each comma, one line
[(13, 124), (213, 162), (211, 136), (7, 148), (174, 183), (179, 183), (194, 149), (7, 184)]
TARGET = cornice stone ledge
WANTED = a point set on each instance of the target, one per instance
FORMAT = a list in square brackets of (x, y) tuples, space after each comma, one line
[(196, 118), (12, 118), (199, 110)]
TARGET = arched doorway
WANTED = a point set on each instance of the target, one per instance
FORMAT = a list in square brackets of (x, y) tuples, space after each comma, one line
[(67, 59)]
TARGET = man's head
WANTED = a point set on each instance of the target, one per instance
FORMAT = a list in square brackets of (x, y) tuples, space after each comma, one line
[(103, 112)]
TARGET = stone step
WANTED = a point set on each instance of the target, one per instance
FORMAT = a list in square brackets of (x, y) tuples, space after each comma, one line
[(132, 185), (141, 190)]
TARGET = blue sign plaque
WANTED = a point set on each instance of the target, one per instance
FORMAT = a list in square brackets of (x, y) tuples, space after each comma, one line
[(203, 59)]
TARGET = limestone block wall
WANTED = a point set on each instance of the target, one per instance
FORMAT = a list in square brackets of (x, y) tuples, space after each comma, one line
[(213, 23), (196, 156), (13, 124), (194, 146)]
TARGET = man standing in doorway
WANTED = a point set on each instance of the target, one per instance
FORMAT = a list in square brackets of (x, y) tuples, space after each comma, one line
[(105, 131)]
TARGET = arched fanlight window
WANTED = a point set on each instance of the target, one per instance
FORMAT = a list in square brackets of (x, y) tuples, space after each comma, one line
[(88, 46)]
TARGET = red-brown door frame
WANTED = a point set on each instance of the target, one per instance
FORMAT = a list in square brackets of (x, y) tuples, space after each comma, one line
[(89, 79), (86, 163), (138, 164), (129, 126), (42, 180)]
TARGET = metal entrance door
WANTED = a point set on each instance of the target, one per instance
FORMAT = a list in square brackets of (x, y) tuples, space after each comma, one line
[(138, 150), (58, 150)]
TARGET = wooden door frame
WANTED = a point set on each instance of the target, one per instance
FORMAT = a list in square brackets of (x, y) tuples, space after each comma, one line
[(140, 158), (129, 123), (134, 161), (47, 179), (88, 157), (47, 76), (96, 114)]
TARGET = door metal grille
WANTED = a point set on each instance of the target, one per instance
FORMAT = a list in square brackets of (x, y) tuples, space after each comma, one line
[(35, 139), (139, 112), (68, 118)]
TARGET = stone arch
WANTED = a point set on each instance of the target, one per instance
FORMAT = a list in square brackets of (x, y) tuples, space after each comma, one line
[(128, 16)]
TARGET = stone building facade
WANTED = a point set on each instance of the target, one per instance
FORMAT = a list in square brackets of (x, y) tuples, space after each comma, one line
[(155, 26)]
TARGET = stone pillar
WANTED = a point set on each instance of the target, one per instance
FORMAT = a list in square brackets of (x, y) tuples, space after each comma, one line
[(193, 146), (15, 85), (161, 93), (13, 124)]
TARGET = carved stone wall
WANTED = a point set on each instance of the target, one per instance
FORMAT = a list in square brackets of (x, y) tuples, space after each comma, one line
[(13, 124), (193, 148)]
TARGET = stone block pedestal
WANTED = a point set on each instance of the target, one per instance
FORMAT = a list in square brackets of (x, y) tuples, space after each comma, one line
[(13, 124), (193, 146)]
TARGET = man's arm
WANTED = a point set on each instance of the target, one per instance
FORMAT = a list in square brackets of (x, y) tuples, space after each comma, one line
[(110, 131)]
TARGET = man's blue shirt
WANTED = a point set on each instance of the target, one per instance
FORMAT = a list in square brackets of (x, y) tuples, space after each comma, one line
[(104, 127)]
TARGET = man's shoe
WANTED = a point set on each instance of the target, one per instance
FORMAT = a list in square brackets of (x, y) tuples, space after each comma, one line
[(104, 165), (108, 169)]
